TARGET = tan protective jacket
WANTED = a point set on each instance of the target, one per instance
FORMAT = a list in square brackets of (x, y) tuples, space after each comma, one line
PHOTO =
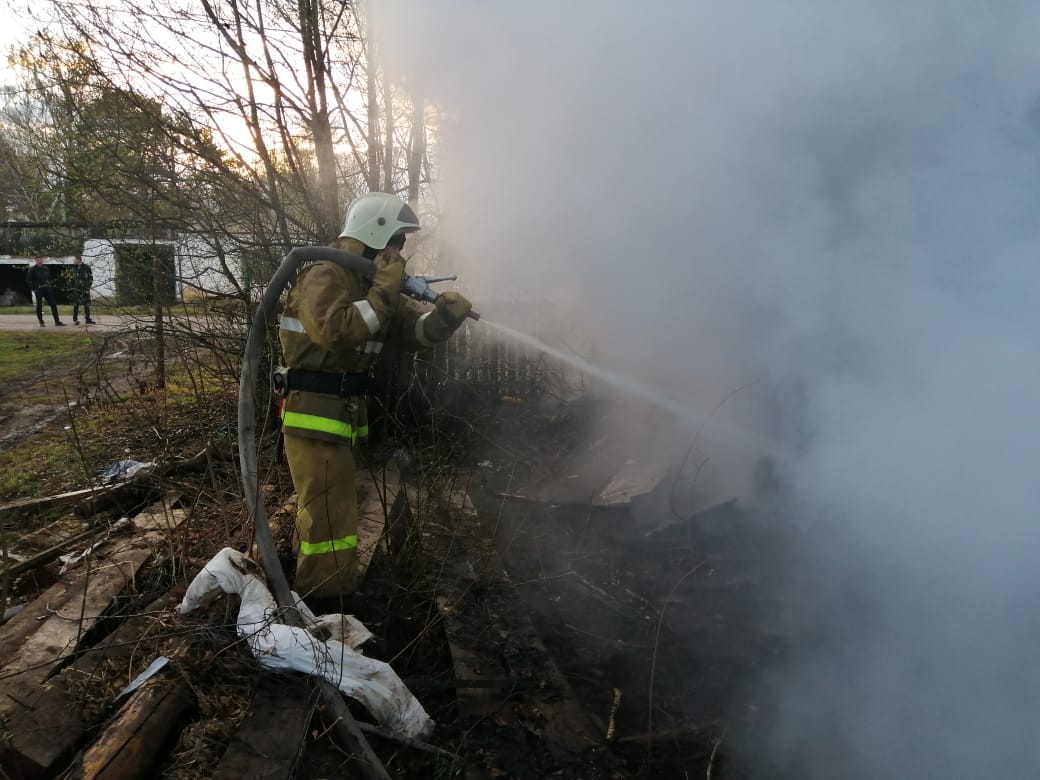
[(328, 326)]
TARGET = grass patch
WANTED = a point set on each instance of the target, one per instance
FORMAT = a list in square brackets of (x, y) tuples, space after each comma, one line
[(80, 443), (24, 355)]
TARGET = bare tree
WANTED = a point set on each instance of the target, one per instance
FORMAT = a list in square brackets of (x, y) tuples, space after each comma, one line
[(289, 90)]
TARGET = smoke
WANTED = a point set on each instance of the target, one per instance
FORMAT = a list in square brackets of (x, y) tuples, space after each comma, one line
[(825, 213)]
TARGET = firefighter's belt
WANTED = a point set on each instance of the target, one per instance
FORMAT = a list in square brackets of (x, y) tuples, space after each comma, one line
[(327, 382)]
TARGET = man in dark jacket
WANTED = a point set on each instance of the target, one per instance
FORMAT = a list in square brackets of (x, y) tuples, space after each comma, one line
[(38, 280), (82, 281)]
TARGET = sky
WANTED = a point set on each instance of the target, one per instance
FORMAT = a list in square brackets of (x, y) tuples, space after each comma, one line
[(815, 222), (17, 25)]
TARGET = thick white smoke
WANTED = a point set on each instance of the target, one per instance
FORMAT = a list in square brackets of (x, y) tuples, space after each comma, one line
[(834, 204)]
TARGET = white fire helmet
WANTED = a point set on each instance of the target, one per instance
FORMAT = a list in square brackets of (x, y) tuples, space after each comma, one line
[(374, 217)]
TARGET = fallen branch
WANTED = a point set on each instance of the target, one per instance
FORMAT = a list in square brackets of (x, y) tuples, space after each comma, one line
[(418, 744), (90, 501), (48, 555), (667, 735)]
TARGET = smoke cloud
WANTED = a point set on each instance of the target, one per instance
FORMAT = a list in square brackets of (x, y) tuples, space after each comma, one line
[(825, 213)]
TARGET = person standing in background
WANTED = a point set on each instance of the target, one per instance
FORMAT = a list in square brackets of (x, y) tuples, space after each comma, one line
[(38, 280), (82, 281)]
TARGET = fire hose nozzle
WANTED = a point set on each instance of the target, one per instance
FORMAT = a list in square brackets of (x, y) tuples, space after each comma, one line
[(418, 287)]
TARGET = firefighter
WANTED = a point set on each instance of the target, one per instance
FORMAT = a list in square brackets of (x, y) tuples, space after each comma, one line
[(333, 328)]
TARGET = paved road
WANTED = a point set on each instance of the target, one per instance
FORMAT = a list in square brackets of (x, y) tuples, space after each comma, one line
[(28, 322)]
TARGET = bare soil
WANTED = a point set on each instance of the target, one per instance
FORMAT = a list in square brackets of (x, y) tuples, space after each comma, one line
[(29, 403)]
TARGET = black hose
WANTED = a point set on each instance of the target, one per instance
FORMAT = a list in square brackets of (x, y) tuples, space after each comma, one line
[(247, 457)]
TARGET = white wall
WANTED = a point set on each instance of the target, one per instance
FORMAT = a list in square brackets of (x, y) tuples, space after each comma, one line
[(196, 266)]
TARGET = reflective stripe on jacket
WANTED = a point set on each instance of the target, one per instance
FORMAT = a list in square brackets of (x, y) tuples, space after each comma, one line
[(327, 325)]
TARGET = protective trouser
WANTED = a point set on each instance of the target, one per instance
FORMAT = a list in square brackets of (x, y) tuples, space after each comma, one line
[(326, 516)]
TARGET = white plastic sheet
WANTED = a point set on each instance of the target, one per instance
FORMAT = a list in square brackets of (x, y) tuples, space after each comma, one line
[(373, 683)]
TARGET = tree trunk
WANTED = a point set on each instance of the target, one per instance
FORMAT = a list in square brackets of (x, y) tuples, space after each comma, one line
[(416, 148), (374, 148), (388, 136), (321, 127)]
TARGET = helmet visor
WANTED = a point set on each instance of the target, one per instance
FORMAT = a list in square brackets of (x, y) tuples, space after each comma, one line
[(407, 218)]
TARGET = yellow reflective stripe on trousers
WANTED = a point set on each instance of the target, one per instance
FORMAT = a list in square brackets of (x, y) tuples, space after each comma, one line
[(316, 548), (312, 422)]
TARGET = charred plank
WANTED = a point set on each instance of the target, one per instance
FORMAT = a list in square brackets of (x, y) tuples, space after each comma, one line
[(141, 733), (282, 705)]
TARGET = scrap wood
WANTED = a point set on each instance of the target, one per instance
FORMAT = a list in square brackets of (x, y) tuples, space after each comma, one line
[(147, 723), (160, 516), (144, 483), (474, 699), (417, 744), (71, 613), (56, 720), (88, 500), (46, 503), (282, 705), (507, 644), (669, 735), (43, 637), (48, 555)]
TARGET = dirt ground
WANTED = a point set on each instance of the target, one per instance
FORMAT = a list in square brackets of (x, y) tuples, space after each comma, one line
[(28, 322), (34, 401)]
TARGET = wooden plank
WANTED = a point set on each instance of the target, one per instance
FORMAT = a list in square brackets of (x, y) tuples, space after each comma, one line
[(491, 635), (379, 495), (50, 554), (42, 638), (157, 525), (90, 500), (54, 721), (72, 612), (39, 505), (283, 705), (140, 734), (474, 667)]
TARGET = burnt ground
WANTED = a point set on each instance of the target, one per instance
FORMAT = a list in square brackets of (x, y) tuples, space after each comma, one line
[(671, 624), (662, 628)]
